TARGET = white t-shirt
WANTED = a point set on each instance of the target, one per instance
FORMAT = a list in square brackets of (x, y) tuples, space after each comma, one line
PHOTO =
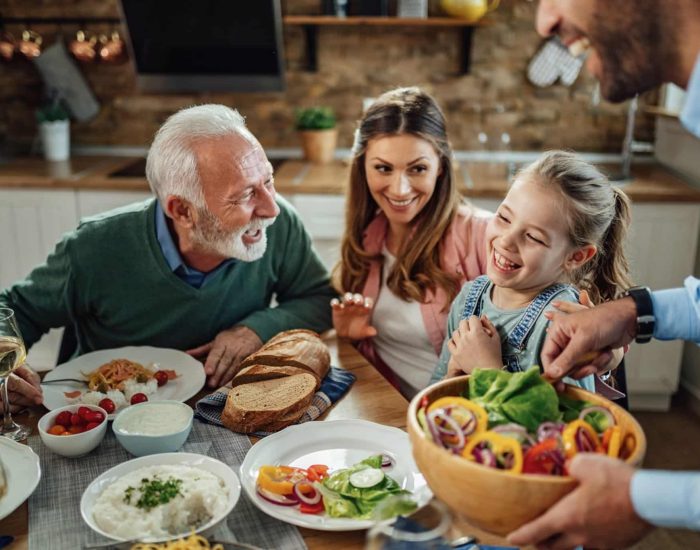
[(402, 341)]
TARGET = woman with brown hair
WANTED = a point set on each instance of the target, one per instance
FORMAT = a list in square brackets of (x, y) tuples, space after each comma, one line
[(410, 240)]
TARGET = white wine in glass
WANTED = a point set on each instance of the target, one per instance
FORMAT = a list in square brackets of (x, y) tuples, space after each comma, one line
[(12, 356)]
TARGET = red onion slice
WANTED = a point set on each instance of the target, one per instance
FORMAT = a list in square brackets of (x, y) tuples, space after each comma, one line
[(387, 461), (549, 430), (439, 416), (274, 498), (315, 497)]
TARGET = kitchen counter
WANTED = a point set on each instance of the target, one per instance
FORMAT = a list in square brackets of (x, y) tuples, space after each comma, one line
[(651, 182)]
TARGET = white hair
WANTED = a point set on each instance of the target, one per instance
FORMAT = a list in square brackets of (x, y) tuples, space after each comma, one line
[(171, 166)]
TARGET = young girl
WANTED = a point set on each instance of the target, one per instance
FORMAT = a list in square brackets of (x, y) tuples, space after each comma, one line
[(561, 224), (410, 241)]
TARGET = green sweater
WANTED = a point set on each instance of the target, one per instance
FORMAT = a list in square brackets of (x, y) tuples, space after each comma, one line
[(110, 280)]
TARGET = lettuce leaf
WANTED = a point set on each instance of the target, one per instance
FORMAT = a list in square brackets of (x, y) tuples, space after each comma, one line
[(342, 499), (521, 397)]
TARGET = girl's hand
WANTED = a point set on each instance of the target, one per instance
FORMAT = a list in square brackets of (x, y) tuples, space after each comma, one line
[(475, 344), (351, 315)]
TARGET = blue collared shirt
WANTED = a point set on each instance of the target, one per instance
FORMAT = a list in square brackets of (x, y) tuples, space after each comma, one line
[(672, 499), (173, 258), (690, 117)]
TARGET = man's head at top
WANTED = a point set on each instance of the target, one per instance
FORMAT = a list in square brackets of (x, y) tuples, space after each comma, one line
[(213, 180)]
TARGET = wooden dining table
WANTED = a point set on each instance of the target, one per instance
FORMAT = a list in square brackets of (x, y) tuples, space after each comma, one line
[(371, 398)]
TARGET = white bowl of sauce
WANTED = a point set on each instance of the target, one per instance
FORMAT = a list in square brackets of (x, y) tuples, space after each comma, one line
[(153, 427)]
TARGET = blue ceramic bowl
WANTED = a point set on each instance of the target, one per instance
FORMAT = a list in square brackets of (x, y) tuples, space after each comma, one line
[(153, 427)]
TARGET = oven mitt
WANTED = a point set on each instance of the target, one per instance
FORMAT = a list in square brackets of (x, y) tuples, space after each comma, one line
[(59, 72), (552, 62)]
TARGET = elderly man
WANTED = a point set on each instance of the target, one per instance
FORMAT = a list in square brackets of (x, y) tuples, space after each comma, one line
[(195, 269), (635, 46)]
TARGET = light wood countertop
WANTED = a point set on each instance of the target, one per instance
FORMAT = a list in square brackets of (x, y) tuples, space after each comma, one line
[(651, 182)]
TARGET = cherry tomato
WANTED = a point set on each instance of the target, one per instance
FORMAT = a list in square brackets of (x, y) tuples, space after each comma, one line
[(317, 472), (161, 377), (91, 425), (63, 419), (57, 430), (108, 405), (83, 411), (95, 416), (77, 420), (76, 429), (138, 398)]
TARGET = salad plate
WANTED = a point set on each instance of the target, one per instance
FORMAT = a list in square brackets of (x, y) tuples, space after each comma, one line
[(22, 474), (337, 444), (189, 380)]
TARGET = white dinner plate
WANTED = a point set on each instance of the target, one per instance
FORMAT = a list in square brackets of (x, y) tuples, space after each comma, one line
[(337, 444), (216, 467), (22, 471), (190, 373)]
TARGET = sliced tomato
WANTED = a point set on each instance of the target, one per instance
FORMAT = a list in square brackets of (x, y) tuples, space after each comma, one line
[(539, 460), (317, 472), (311, 508)]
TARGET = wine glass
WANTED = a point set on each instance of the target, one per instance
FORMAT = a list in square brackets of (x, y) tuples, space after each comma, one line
[(12, 356), (426, 529)]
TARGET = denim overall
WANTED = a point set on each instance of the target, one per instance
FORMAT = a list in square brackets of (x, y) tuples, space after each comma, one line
[(517, 340)]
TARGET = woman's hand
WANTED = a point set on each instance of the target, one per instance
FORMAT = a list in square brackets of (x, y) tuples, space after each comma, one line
[(351, 316), (475, 344)]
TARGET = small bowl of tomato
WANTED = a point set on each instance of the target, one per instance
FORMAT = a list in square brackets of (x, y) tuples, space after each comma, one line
[(73, 430)]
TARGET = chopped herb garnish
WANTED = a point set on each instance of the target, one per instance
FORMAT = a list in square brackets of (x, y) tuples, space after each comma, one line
[(154, 492)]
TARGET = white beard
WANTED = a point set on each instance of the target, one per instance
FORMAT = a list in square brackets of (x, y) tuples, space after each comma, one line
[(212, 237)]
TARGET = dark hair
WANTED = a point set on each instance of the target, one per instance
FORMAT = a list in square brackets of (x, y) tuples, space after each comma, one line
[(598, 213), (417, 267)]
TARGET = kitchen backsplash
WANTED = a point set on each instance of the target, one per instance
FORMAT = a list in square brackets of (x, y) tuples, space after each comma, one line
[(353, 63)]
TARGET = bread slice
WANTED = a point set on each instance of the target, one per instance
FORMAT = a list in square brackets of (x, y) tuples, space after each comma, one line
[(256, 373), (3, 480), (303, 349), (250, 406), (286, 420)]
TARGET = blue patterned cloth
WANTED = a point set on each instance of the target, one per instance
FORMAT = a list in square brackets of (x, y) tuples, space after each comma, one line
[(336, 383)]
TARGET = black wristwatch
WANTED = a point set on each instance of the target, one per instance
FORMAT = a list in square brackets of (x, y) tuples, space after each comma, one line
[(645, 312)]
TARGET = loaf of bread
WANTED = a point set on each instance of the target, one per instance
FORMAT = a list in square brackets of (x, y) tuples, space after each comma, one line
[(276, 384), (277, 402), (303, 349)]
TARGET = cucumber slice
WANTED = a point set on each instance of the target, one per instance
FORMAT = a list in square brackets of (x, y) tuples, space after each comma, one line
[(366, 478)]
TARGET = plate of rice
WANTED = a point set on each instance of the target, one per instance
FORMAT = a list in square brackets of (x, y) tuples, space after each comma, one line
[(120, 373), (160, 497)]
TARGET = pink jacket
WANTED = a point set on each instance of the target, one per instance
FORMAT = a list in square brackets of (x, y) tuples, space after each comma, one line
[(462, 253)]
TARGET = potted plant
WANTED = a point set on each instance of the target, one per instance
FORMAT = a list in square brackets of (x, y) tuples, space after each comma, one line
[(54, 128), (316, 127)]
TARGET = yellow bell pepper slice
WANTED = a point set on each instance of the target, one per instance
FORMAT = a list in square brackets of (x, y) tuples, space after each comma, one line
[(500, 445), (279, 479), (612, 441), (568, 436), (457, 403)]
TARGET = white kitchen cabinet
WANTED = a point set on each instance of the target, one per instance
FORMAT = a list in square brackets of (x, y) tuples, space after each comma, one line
[(661, 249), (92, 202), (324, 219), (31, 223)]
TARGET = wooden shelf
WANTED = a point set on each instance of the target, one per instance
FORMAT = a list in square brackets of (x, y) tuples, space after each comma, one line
[(329, 20), (310, 24)]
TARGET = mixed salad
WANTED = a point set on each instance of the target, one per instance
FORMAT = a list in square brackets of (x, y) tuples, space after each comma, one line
[(353, 492), (517, 422)]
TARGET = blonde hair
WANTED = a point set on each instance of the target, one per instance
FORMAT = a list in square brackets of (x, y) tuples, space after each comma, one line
[(598, 213), (417, 268)]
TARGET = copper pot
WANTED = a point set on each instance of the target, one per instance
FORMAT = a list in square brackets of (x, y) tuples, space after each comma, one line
[(30, 44), (112, 49), (83, 47), (8, 44)]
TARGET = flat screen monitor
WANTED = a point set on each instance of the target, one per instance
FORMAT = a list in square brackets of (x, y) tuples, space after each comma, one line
[(206, 45)]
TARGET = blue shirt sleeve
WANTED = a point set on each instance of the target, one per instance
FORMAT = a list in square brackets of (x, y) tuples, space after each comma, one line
[(667, 499), (677, 312)]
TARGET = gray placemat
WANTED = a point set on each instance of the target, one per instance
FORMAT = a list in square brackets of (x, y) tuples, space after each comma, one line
[(54, 508)]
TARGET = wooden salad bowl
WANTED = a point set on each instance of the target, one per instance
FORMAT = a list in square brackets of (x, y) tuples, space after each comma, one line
[(494, 500)]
